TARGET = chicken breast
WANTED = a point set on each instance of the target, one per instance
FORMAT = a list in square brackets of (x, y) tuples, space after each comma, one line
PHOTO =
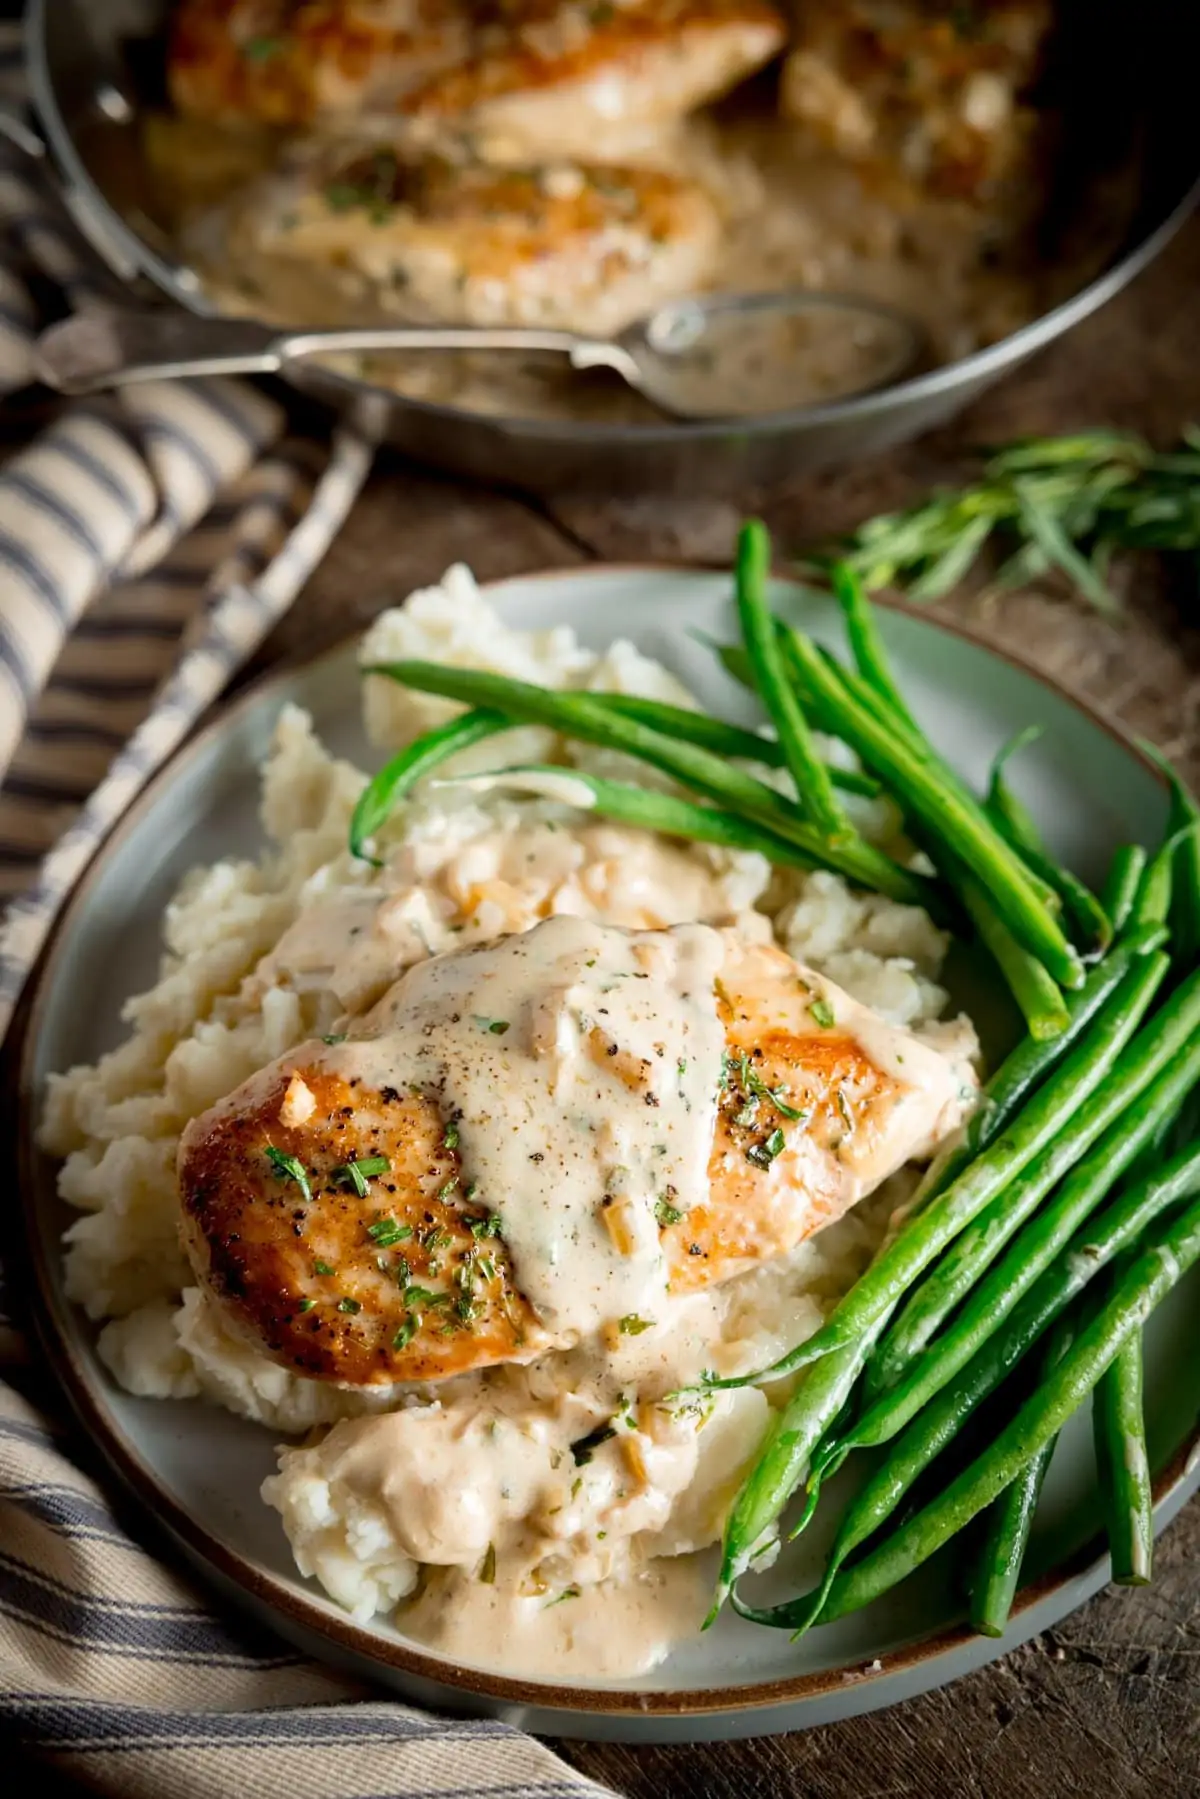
[(293, 63), (525, 1143), (524, 78), (574, 246), (561, 78), (929, 88)]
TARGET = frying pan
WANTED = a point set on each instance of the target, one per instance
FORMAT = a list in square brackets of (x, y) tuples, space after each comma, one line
[(92, 65)]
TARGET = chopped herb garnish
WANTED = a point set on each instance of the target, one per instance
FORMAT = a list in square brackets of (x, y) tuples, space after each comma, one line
[(582, 1448), (665, 1213), (843, 1106), (567, 1593), (334, 1037), (763, 1154), (450, 1137), (407, 1332), (681, 1067), (753, 1083), (323, 1268), (487, 1568), (822, 1011), (261, 49), (289, 1168), (306, 1305), (445, 1191), (464, 1304), (497, 1026), (424, 1296), (358, 1173), (435, 1239), (633, 1326), (491, 1226), (387, 1231), (349, 1305), (341, 196)]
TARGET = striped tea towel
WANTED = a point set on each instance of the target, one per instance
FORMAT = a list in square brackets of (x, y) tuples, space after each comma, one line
[(147, 544)]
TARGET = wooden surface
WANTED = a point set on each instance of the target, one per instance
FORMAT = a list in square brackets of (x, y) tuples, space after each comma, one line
[(1108, 1704)]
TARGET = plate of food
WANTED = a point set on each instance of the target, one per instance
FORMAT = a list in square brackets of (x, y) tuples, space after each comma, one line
[(627, 1158)]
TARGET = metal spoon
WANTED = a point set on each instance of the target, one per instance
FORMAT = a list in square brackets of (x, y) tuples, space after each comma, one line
[(721, 357)]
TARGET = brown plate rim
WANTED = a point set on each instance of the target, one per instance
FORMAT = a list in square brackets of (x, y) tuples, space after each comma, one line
[(59, 1325)]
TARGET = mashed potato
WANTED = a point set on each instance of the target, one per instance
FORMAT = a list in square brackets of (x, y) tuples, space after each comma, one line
[(243, 978)]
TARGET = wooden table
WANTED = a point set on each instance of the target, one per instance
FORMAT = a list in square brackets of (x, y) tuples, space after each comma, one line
[(1108, 1704)]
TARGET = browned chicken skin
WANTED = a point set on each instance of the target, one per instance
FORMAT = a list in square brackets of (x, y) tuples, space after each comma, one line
[(589, 248), (410, 1277), (929, 90), (291, 63), (326, 1284), (549, 72)]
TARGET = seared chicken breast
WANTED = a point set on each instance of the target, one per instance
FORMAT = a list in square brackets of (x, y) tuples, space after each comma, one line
[(522, 78), (929, 87), (446, 1188), (557, 77), (577, 246), (295, 63)]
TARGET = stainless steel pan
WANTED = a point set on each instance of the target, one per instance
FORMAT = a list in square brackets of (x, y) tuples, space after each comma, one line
[(1131, 91)]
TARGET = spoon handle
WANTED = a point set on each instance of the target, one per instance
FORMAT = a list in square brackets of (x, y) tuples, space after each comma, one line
[(104, 348)]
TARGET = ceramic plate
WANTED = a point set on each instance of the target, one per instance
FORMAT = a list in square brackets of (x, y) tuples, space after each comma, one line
[(199, 1470)]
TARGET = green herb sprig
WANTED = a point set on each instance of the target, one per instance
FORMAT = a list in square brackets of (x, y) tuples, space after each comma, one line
[(1055, 503)]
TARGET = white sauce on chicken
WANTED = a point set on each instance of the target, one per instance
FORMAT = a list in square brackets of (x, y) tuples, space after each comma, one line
[(576, 1061)]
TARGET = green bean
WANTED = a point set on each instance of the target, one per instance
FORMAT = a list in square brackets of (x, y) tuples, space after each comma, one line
[(866, 646), (1045, 1128), (1171, 1247), (733, 659), (794, 1433), (1122, 882), (1002, 1554), (1038, 996), (647, 807), (1182, 818), (1153, 903), (942, 805), (1031, 1062), (1146, 1285), (813, 789), (1122, 1457), (725, 740), (585, 716), (1010, 1518), (1092, 924), (399, 776), (1120, 1150), (958, 1273)]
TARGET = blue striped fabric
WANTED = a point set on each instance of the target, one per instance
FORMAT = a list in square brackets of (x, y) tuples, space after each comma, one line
[(147, 544)]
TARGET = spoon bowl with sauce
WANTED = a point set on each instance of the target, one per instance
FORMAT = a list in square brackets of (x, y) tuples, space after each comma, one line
[(705, 357)]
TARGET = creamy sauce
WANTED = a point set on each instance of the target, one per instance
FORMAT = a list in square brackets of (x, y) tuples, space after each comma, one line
[(618, 1630), (512, 1522), (578, 1061), (441, 893)]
